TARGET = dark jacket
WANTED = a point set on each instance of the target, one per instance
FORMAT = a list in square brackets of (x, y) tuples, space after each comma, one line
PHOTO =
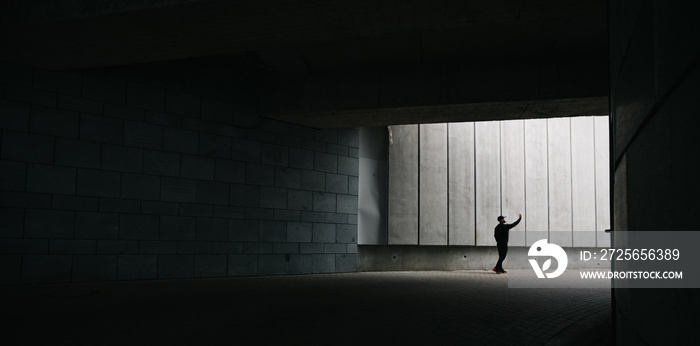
[(501, 231)]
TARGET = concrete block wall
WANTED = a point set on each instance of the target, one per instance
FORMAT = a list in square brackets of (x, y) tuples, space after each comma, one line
[(113, 175), (449, 182)]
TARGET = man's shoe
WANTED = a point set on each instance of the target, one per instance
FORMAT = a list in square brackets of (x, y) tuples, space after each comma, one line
[(497, 271), (503, 272)]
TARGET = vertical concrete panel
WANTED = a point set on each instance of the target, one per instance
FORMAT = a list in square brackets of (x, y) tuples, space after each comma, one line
[(536, 215), (403, 185), (433, 184), (583, 181), (513, 177), (372, 189), (559, 149), (461, 212), (602, 180), (488, 181)]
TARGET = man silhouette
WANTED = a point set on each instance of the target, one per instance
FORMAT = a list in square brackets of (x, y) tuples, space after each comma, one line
[(501, 235)]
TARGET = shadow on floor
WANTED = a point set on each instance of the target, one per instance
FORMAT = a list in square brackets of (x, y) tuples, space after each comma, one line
[(455, 307)]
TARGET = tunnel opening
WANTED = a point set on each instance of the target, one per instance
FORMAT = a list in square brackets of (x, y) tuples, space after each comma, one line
[(431, 192)]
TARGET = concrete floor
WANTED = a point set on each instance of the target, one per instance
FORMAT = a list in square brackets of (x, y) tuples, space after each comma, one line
[(436, 307)]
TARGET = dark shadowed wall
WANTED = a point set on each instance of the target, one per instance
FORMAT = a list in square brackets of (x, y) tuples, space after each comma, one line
[(654, 84), (125, 173)]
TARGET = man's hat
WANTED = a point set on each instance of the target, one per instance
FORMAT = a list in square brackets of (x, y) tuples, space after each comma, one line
[(501, 218)]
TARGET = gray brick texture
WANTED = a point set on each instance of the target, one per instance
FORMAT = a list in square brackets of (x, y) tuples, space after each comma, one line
[(324, 202), (157, 247), (14, 115), (301, 158), (125, 112), (78, 104), (242, 265), (324, 233), (139, 186), (137, 134), (145, 96), (72, 247), (104, 88), (112, 176), (49, 224), (229, 171), (347, 204), (54, 122), (175, 266), (346, 263), (13, 222), (98, 183), (75, 153), (323, 263), (271, 264), (46, 268), (210, 265), (29, 95), (209, 192), (192, 209), (18, 199), (122, 159), (348, 166), (178, 190), (50, 179), (299, 264), (27, 147), (74, 203), (161, 163), (197, 167), (101, 129), (326, 162), (215, 146), (287, 177), (182, 141), (182, 104), (137, 267), (212, 229), (138, 227), (94, 268), (92, 225), (13, 175), (65, 83), (115, 205)]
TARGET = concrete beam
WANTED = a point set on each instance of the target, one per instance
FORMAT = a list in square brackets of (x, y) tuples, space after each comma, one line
[(522, 88), (467, 112)]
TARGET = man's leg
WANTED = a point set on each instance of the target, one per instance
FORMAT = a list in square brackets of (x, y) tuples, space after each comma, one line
[(503, 256), (502, 249)]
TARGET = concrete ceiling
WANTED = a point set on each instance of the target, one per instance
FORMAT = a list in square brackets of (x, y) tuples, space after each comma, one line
[(344, 62)]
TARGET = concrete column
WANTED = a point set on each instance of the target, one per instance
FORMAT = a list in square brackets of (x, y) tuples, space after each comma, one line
[(488, 180), (372, 186), (433, 185), (513, 177), (583, 181), (602, 180), (536, 211), (559, 152), (462, 221), (403, 185)]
